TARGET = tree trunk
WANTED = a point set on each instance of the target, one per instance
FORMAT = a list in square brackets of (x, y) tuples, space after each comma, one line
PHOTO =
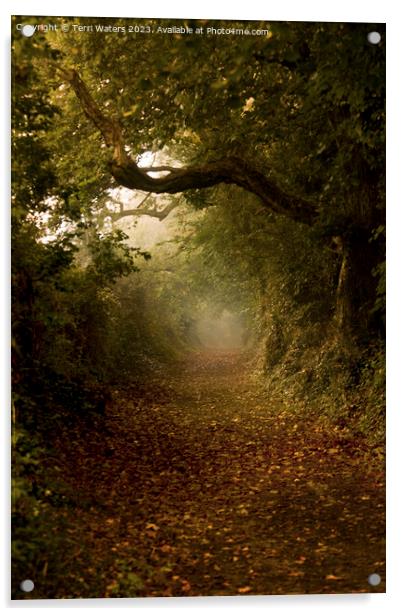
[(356, 289)]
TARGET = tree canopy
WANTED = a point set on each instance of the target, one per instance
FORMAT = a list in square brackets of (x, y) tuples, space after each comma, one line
[(274, 115), (162, 181)]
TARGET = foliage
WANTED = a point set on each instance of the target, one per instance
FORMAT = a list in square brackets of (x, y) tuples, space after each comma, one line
[(251, 96), (59, 311), (94, 314)]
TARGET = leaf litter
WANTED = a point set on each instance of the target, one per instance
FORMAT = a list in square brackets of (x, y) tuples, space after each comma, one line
[(196, 483)]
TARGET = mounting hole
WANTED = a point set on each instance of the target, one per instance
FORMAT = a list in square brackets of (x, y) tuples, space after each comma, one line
[(374, 579), (27, 585), (28, 30), (374, 38)]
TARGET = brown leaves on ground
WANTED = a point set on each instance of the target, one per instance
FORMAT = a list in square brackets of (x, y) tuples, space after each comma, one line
[(200, 485)]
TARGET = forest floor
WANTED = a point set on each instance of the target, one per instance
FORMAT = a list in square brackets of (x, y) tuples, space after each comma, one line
[(195, 483)]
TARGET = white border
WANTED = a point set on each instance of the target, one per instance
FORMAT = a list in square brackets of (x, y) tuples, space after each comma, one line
[(294, 10)]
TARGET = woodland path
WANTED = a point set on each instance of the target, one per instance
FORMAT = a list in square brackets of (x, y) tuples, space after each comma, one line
[(199, 485)]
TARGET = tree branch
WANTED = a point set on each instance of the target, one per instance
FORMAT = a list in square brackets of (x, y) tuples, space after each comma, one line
[(231, 170), (163, 168), (137, 211)]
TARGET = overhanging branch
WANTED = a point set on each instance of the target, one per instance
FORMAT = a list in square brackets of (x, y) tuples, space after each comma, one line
[(231, 170)]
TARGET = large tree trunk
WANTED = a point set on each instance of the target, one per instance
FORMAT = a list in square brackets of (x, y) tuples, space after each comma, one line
[(356, 289)]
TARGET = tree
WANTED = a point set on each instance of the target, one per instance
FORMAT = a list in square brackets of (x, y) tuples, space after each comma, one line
[(282, 98), (58, 301)]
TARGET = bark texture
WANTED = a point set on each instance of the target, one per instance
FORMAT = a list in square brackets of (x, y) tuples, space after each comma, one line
[(356, 289)]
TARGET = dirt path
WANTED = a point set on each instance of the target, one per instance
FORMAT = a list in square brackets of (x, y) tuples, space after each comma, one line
[(198, 485)]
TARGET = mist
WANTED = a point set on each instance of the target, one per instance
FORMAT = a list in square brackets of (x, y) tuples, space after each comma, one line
[(224, 331)]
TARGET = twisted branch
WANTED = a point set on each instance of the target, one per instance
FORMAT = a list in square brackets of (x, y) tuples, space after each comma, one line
[(231, 170)]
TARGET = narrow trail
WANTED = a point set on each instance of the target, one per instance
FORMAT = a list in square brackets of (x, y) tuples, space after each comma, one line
[(199, 486)]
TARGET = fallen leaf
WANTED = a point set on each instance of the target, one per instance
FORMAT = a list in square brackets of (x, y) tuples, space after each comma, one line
[(185, 585), (244, 589)]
